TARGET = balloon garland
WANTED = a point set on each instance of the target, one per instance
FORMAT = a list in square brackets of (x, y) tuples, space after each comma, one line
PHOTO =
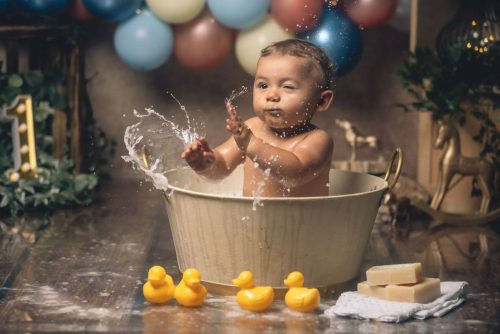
[(201, 32)]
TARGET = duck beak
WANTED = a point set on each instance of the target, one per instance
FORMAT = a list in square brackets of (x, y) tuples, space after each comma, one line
[(236, 282), (155, 281), (193, 282), (286, 281)]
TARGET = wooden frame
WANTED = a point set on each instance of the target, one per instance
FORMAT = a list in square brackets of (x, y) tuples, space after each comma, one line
[(52, 47)]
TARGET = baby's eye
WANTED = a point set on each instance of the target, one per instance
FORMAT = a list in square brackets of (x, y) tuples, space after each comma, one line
[(262, 85), (289, 87)]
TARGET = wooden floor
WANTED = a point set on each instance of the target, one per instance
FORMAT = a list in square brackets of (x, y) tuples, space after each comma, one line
[(84, 271)]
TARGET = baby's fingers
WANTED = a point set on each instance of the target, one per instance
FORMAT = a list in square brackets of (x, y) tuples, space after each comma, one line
[(204, 144), (231, 109), (191, 150)]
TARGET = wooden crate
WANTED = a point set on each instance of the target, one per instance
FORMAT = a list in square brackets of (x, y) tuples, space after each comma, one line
[(47, 48)]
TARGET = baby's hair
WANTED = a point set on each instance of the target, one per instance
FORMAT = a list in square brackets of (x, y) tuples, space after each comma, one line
[(301, 48)]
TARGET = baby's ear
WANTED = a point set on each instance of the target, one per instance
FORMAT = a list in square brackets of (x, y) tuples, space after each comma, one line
[(325, 99)]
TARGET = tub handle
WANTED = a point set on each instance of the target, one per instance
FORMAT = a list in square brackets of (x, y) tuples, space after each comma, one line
[(398, 153)]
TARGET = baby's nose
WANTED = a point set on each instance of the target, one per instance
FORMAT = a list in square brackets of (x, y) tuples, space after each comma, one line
[(272, 95)]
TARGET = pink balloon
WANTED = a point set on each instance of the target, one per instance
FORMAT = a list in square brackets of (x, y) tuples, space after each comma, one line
[(202, 43), (78, 11), (297, 15), (370, 13)]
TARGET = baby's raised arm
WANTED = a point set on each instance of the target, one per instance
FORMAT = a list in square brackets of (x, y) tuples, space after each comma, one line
[(294, 167)]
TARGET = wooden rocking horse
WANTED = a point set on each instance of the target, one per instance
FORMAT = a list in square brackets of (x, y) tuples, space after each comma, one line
[(453, 162)]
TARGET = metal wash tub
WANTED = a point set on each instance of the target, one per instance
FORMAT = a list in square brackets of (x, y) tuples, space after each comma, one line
[(323, 237)]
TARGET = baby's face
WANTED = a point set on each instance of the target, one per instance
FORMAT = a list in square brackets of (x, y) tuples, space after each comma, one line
[(286, 91)]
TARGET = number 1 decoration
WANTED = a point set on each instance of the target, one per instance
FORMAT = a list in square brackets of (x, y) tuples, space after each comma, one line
[(20, 113)]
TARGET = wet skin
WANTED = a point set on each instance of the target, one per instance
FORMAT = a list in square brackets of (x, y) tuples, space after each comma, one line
[(283, 153)]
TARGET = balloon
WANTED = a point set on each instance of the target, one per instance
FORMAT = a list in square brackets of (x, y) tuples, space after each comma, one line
[(339, 37), (401, 18), (297, 15), (370, 13), (144, 42), (6, 4), (239, 14), (43, 6), (249, 42), (212, 41), (112, 10), (78, 11), (176, 11)]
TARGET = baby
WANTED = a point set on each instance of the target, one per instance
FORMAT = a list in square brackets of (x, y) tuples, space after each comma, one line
[(283, 153)]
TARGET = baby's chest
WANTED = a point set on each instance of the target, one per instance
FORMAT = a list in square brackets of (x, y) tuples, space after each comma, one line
[(287, 144)]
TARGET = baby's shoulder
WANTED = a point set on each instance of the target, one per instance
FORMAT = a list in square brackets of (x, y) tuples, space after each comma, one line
[(318, 134)]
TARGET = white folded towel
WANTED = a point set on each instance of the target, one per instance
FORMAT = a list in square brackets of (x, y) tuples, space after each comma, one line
[(355, 305)]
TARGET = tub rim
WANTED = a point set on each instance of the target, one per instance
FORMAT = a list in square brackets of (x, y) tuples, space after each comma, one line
[(170, 187)]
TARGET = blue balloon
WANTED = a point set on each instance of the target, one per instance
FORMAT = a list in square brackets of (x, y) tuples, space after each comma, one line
[(144, 42), (5, 4), (44, 6), (112, 10), (239, 14), (339, 37)]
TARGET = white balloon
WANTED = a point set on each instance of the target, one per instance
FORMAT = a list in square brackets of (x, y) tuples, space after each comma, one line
[(401, 17), (176, 11), (249, 42)]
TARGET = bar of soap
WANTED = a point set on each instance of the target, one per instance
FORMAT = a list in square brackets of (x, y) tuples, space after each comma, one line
[(422, 292), (378, 291), (407, 273)]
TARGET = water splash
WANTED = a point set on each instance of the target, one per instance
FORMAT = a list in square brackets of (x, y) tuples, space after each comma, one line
[(154, 143), (235, 94)]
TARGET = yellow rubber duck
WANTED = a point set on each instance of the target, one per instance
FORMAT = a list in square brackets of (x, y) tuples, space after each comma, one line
[(159, 288), (299, 298), (252, 298), (190, 292)]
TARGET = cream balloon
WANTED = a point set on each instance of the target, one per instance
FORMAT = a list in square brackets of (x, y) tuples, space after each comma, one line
[(249, 42), (175, 11)]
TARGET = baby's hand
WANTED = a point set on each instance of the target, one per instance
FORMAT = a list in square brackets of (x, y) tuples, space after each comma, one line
[(198, 155), (240, 131)]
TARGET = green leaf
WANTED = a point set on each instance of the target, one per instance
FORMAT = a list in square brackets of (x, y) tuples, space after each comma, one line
[(15, 81), (84, 181), (34, 78), (4, 202)]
